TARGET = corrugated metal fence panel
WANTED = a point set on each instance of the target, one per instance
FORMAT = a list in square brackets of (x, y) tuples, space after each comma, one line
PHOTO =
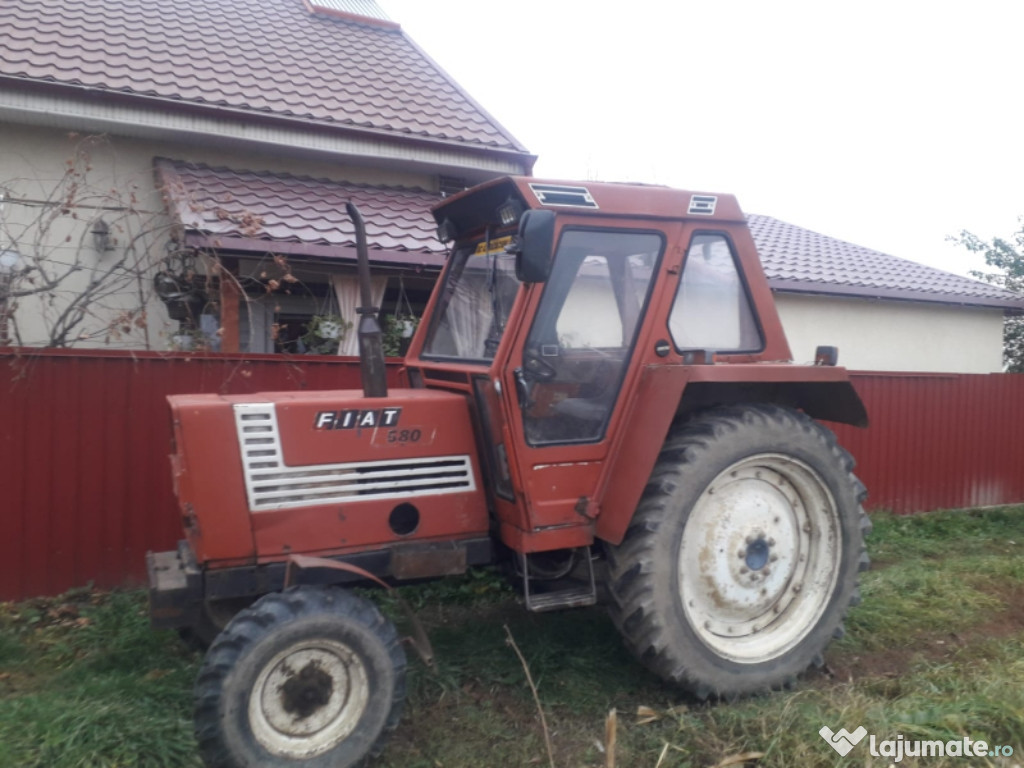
[(939, 440), (85, 484)]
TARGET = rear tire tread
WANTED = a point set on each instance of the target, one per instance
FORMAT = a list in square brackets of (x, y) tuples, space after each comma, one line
[(632, 563)]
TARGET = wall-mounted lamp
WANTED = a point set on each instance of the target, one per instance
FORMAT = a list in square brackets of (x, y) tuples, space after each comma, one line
[(101, 236)]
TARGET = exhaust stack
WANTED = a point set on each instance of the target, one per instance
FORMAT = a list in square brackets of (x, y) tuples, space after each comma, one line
[(371, 349)]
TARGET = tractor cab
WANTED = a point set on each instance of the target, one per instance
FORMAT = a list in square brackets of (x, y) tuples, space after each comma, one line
[(558, 315)]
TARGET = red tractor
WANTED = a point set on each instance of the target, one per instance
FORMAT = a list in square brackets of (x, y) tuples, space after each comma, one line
[(600, 393)]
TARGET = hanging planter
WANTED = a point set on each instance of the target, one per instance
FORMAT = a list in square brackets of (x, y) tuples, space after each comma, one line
[(398, 329), (324, 334)]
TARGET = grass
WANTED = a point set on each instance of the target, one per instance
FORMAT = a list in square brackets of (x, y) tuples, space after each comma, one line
[(935, 651)]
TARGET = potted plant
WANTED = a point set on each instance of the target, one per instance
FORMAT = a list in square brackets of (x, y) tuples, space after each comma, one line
[(398, 330), (324, 333)]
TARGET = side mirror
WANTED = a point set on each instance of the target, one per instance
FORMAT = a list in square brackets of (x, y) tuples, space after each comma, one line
[(535, 246)]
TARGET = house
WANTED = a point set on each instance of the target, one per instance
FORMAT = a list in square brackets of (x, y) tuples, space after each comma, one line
[(165, 188), (109, 111), (882, 312)]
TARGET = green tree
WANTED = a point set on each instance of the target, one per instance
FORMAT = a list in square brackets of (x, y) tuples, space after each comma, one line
[(1006, 256)]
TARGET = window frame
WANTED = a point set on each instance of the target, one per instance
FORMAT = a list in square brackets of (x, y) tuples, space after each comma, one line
[(747, 295), (645, 309)]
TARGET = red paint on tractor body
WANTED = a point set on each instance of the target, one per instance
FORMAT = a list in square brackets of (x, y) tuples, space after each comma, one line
[(536, 493), (407, 426)]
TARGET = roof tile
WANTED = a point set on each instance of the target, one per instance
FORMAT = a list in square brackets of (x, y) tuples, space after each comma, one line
[(224, 202), (798, 259), (295, 209), (271, 56)]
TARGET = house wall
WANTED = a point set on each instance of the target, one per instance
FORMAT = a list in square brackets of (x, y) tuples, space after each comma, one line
[(878, 335), (50, 212)]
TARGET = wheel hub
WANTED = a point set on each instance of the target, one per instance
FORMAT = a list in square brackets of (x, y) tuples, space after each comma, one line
[(757, 554), (759, 557), (308, 698), (304, 693)]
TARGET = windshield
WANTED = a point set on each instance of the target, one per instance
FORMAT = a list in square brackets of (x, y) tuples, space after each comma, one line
[(476, 299)]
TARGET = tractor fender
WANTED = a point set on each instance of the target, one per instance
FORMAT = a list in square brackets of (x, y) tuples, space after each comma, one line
[(669, 393)]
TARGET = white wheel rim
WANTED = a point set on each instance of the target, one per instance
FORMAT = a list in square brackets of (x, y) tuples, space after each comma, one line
[(308, 698), (759, 558)]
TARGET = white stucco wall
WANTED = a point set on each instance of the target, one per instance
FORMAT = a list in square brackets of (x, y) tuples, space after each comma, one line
[(882, 335), (117, 183)]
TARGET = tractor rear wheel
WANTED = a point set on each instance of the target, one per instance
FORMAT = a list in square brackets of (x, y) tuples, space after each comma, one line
[(742, 558), (307, 678)]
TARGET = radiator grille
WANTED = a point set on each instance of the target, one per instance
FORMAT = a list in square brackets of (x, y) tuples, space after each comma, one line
[(271, 484)]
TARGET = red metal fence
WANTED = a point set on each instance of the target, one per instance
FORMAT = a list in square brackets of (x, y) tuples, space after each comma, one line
[(84, 435), (85, 487), (939, 440)]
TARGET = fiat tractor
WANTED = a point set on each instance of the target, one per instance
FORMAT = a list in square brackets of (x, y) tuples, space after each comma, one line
[(599, 395)]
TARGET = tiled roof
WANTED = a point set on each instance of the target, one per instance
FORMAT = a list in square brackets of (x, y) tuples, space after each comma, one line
[(799, 260), (270, 57), (246, 210)]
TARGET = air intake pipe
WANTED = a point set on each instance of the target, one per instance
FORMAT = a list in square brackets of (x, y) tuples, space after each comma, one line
[(371, 348)]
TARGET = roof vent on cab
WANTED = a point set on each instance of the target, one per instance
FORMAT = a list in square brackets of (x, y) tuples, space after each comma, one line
[(572, 197)]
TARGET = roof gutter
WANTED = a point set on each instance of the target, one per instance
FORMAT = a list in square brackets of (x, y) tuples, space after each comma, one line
[(346, 253)]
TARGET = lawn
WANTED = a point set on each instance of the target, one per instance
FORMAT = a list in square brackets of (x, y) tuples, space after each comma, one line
[(934, 652)]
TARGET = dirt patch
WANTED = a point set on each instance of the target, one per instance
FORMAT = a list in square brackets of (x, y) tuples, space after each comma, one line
[(847, 667)]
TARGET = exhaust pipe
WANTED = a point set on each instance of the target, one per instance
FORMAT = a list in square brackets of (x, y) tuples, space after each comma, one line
[(371, 348)]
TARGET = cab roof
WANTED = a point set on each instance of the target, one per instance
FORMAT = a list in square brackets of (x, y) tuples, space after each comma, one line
[(478, 206)]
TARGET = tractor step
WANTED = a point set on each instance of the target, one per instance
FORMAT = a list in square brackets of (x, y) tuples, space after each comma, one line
[(575, 594)]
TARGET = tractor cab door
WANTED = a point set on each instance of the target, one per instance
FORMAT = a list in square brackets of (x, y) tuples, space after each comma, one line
[(568, 371)]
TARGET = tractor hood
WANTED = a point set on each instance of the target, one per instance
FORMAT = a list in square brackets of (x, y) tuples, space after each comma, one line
[(267, 475)]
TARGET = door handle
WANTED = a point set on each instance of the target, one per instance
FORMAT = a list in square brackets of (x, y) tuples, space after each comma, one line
[(522, 389)]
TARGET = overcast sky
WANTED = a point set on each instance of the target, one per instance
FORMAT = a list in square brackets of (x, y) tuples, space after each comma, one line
[(888, 124)]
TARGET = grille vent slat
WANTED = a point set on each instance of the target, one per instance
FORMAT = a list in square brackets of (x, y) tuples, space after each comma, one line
[(271, 484)]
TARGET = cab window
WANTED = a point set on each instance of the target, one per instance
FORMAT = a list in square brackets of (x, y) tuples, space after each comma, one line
[(712, 310), (582, 338)]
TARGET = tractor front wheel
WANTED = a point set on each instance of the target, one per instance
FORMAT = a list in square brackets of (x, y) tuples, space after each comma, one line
[(742, 558), (306, 678)]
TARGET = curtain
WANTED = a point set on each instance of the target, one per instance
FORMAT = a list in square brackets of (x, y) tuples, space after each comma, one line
[(346, 289), (470, 316)]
